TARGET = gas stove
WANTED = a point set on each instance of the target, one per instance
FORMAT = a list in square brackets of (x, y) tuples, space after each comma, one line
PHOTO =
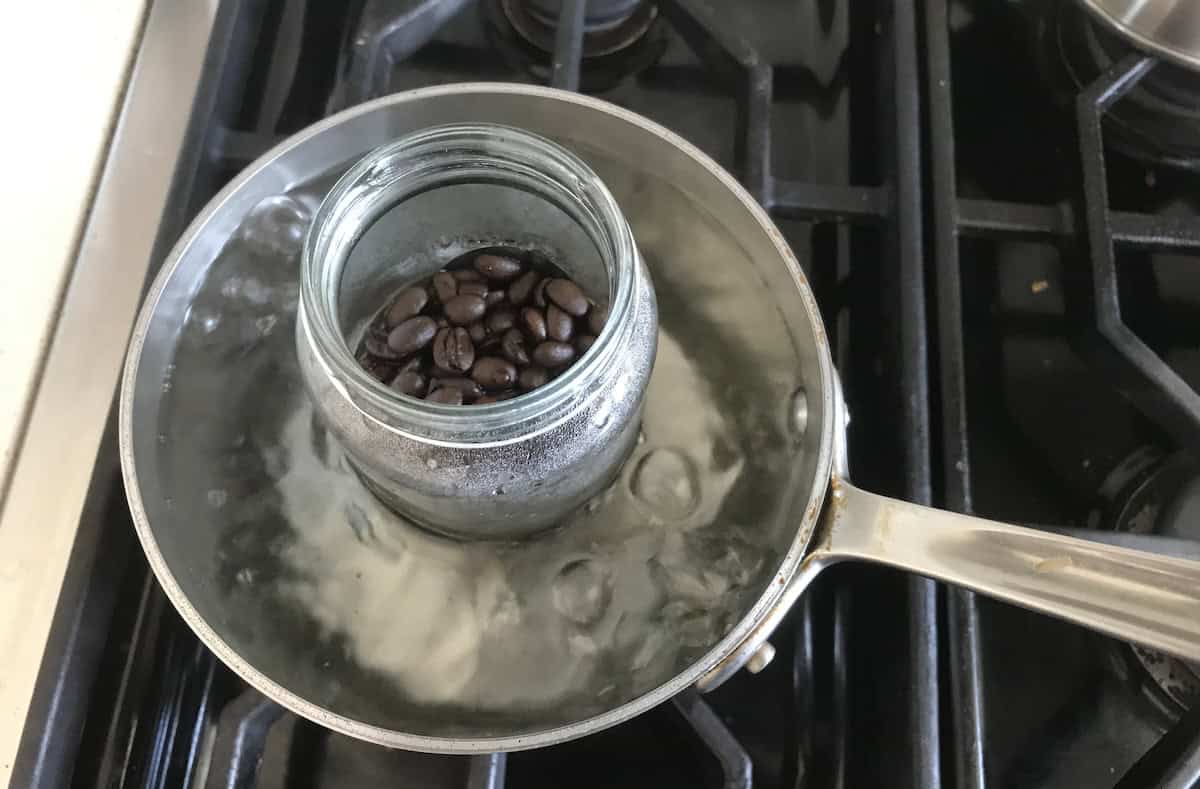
[(1009, 184)]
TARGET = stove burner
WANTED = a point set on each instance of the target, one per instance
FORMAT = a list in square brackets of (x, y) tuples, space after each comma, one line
[(1154, 493), (621, 37), (1158, 121)]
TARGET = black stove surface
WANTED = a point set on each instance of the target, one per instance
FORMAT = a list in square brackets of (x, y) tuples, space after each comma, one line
[(960, 171)]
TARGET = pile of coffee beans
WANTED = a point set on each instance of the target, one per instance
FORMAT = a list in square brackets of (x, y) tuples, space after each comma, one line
[(490, 326)]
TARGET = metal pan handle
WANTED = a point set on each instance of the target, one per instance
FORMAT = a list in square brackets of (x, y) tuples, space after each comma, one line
[(1147, 598)]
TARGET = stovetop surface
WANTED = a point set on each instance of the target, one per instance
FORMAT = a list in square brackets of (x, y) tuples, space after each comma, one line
[(933, 168)]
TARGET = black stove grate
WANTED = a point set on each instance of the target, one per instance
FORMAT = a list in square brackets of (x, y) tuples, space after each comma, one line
[(1088, 233)]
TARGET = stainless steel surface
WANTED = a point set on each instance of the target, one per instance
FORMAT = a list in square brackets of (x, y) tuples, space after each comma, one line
[(1136, 596), (1170, 28), (323, 599), (58, 457), (508, 469)]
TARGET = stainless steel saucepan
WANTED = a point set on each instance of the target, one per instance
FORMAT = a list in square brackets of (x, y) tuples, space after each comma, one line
[(734, 499)]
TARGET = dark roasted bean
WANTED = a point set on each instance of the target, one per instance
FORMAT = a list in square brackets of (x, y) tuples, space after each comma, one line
[(453, 350), (447, 395), (445, 286), (512, 344), (410, 383), (479, 289), (597, 316), (493, 373), (412, 335), (470, 390), (539, 293), (409, 303), (567, 295), (532, 377), (583, 342), (466, 275), (559, 325), (518, 292), (415, 364), (380, 348), (534, 324), (500, 320), (480, 331), (498, 267), (553, 354), (462, 310)]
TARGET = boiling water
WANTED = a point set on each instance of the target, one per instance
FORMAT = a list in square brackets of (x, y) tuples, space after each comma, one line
[(345, 603)]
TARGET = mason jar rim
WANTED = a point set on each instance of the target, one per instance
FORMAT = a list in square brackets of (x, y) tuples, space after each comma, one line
[(429, 159)]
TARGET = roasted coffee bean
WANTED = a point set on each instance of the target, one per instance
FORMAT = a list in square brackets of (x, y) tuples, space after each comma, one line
[(412, 335), (453, 350), (445, 286), (483, 330), (512, 345), (519, 291), (415, 364), (553, 354), (507, 394), (567, 295), (559, 325), (470, 390), (494, 373), (380, 348), (479, 289), (462, 310), (534, 324), (409, 383), (596, 318), (408, 304), (500, 320), (532, 377), (447, 395), (498, 267), (539, 293)]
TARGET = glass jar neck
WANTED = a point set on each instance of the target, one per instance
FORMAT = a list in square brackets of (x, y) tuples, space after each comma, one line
[(446, 156)]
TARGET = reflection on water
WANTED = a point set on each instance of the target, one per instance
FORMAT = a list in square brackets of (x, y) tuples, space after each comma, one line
[(349, 605)]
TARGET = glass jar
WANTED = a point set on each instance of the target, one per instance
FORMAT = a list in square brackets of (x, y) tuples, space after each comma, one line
[(499, 470)]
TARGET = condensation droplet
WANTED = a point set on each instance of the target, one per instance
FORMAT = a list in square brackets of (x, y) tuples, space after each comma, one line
[(582, 591), (217, 498), (431, 464), (665, 481), (245, 576)]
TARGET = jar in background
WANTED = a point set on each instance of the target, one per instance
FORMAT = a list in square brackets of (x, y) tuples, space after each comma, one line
[(499, 470)]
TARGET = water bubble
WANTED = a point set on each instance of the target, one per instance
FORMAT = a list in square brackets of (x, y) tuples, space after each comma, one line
[(217, 498), (166, 385), (665, 481), (275, 227), (582, 591)]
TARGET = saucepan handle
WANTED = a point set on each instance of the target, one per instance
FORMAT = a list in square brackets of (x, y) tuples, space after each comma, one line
[(1146, 598)]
